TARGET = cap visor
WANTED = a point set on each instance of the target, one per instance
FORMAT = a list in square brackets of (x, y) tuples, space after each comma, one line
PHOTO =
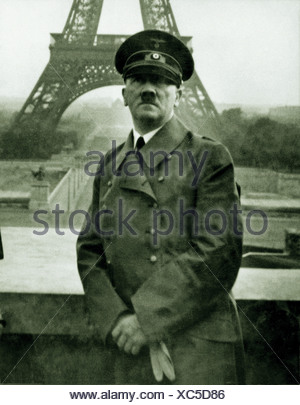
[(153, 70)]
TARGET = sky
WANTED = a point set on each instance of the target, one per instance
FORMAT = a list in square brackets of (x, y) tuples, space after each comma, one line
[(245, 51)]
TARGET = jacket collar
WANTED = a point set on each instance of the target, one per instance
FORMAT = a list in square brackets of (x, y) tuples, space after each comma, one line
[(165, 141)]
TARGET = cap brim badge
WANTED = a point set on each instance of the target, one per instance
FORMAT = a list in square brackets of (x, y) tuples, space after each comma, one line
[(155, 56)]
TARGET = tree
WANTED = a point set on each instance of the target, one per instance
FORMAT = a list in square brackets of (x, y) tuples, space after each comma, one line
[(234, 127), (272, 145)]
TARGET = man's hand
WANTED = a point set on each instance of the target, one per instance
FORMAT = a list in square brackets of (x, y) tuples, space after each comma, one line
[(128, 334)]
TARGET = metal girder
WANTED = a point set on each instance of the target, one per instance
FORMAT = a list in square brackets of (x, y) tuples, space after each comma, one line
[(68, 75), (83, 20), (81, 61), (158, 14), (196, 104), (196, 108)]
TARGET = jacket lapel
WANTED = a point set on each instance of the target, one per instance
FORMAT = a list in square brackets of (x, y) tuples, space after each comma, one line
[(127, 147), (138, 182), (164, 142)]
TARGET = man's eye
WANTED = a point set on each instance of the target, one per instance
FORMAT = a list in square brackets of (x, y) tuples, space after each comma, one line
[(137, 79), (156, 79)]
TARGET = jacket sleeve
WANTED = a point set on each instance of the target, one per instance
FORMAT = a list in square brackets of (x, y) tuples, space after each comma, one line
[(188, 284), (1, 248), (103, 304)]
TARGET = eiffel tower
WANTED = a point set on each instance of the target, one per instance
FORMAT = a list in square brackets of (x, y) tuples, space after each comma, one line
[(81, 60)]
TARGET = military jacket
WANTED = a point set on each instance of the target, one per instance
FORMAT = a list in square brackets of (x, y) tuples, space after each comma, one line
[(164, 241)]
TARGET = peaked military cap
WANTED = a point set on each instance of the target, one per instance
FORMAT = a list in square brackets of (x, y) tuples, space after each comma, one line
[(155, 52)]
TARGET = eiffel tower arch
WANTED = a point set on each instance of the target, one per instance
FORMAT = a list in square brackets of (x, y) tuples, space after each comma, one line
[(81, 60)]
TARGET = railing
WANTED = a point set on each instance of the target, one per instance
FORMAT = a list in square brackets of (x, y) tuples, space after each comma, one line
[(69, 189)]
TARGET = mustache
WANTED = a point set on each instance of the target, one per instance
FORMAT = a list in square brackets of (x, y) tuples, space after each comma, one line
[(148, 98)]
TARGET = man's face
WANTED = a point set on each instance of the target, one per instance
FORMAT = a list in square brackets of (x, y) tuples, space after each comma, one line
[(151, 99)]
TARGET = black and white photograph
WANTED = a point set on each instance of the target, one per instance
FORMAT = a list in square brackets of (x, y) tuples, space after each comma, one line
[(150, 196)]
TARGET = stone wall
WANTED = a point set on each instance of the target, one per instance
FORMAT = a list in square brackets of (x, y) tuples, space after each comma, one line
[(253, 180), (289, 184), (256, 180)]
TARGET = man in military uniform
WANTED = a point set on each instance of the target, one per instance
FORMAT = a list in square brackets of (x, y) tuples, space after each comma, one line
[(165, 247)]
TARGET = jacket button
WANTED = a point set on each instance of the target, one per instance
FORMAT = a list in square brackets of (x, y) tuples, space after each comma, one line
[(109, 183), (108, 262), (153, 259), (151, 231), (169, 156), (161, 178), (154, 205), (104, 207)]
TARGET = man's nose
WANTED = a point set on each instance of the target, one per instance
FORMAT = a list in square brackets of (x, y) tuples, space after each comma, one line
[(148, 93)]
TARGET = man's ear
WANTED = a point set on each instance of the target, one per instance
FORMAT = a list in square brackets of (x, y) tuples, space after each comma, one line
[(178, 97), (124, 96)]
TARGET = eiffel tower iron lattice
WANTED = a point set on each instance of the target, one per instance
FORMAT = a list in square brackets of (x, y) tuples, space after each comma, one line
[(81, 60)]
